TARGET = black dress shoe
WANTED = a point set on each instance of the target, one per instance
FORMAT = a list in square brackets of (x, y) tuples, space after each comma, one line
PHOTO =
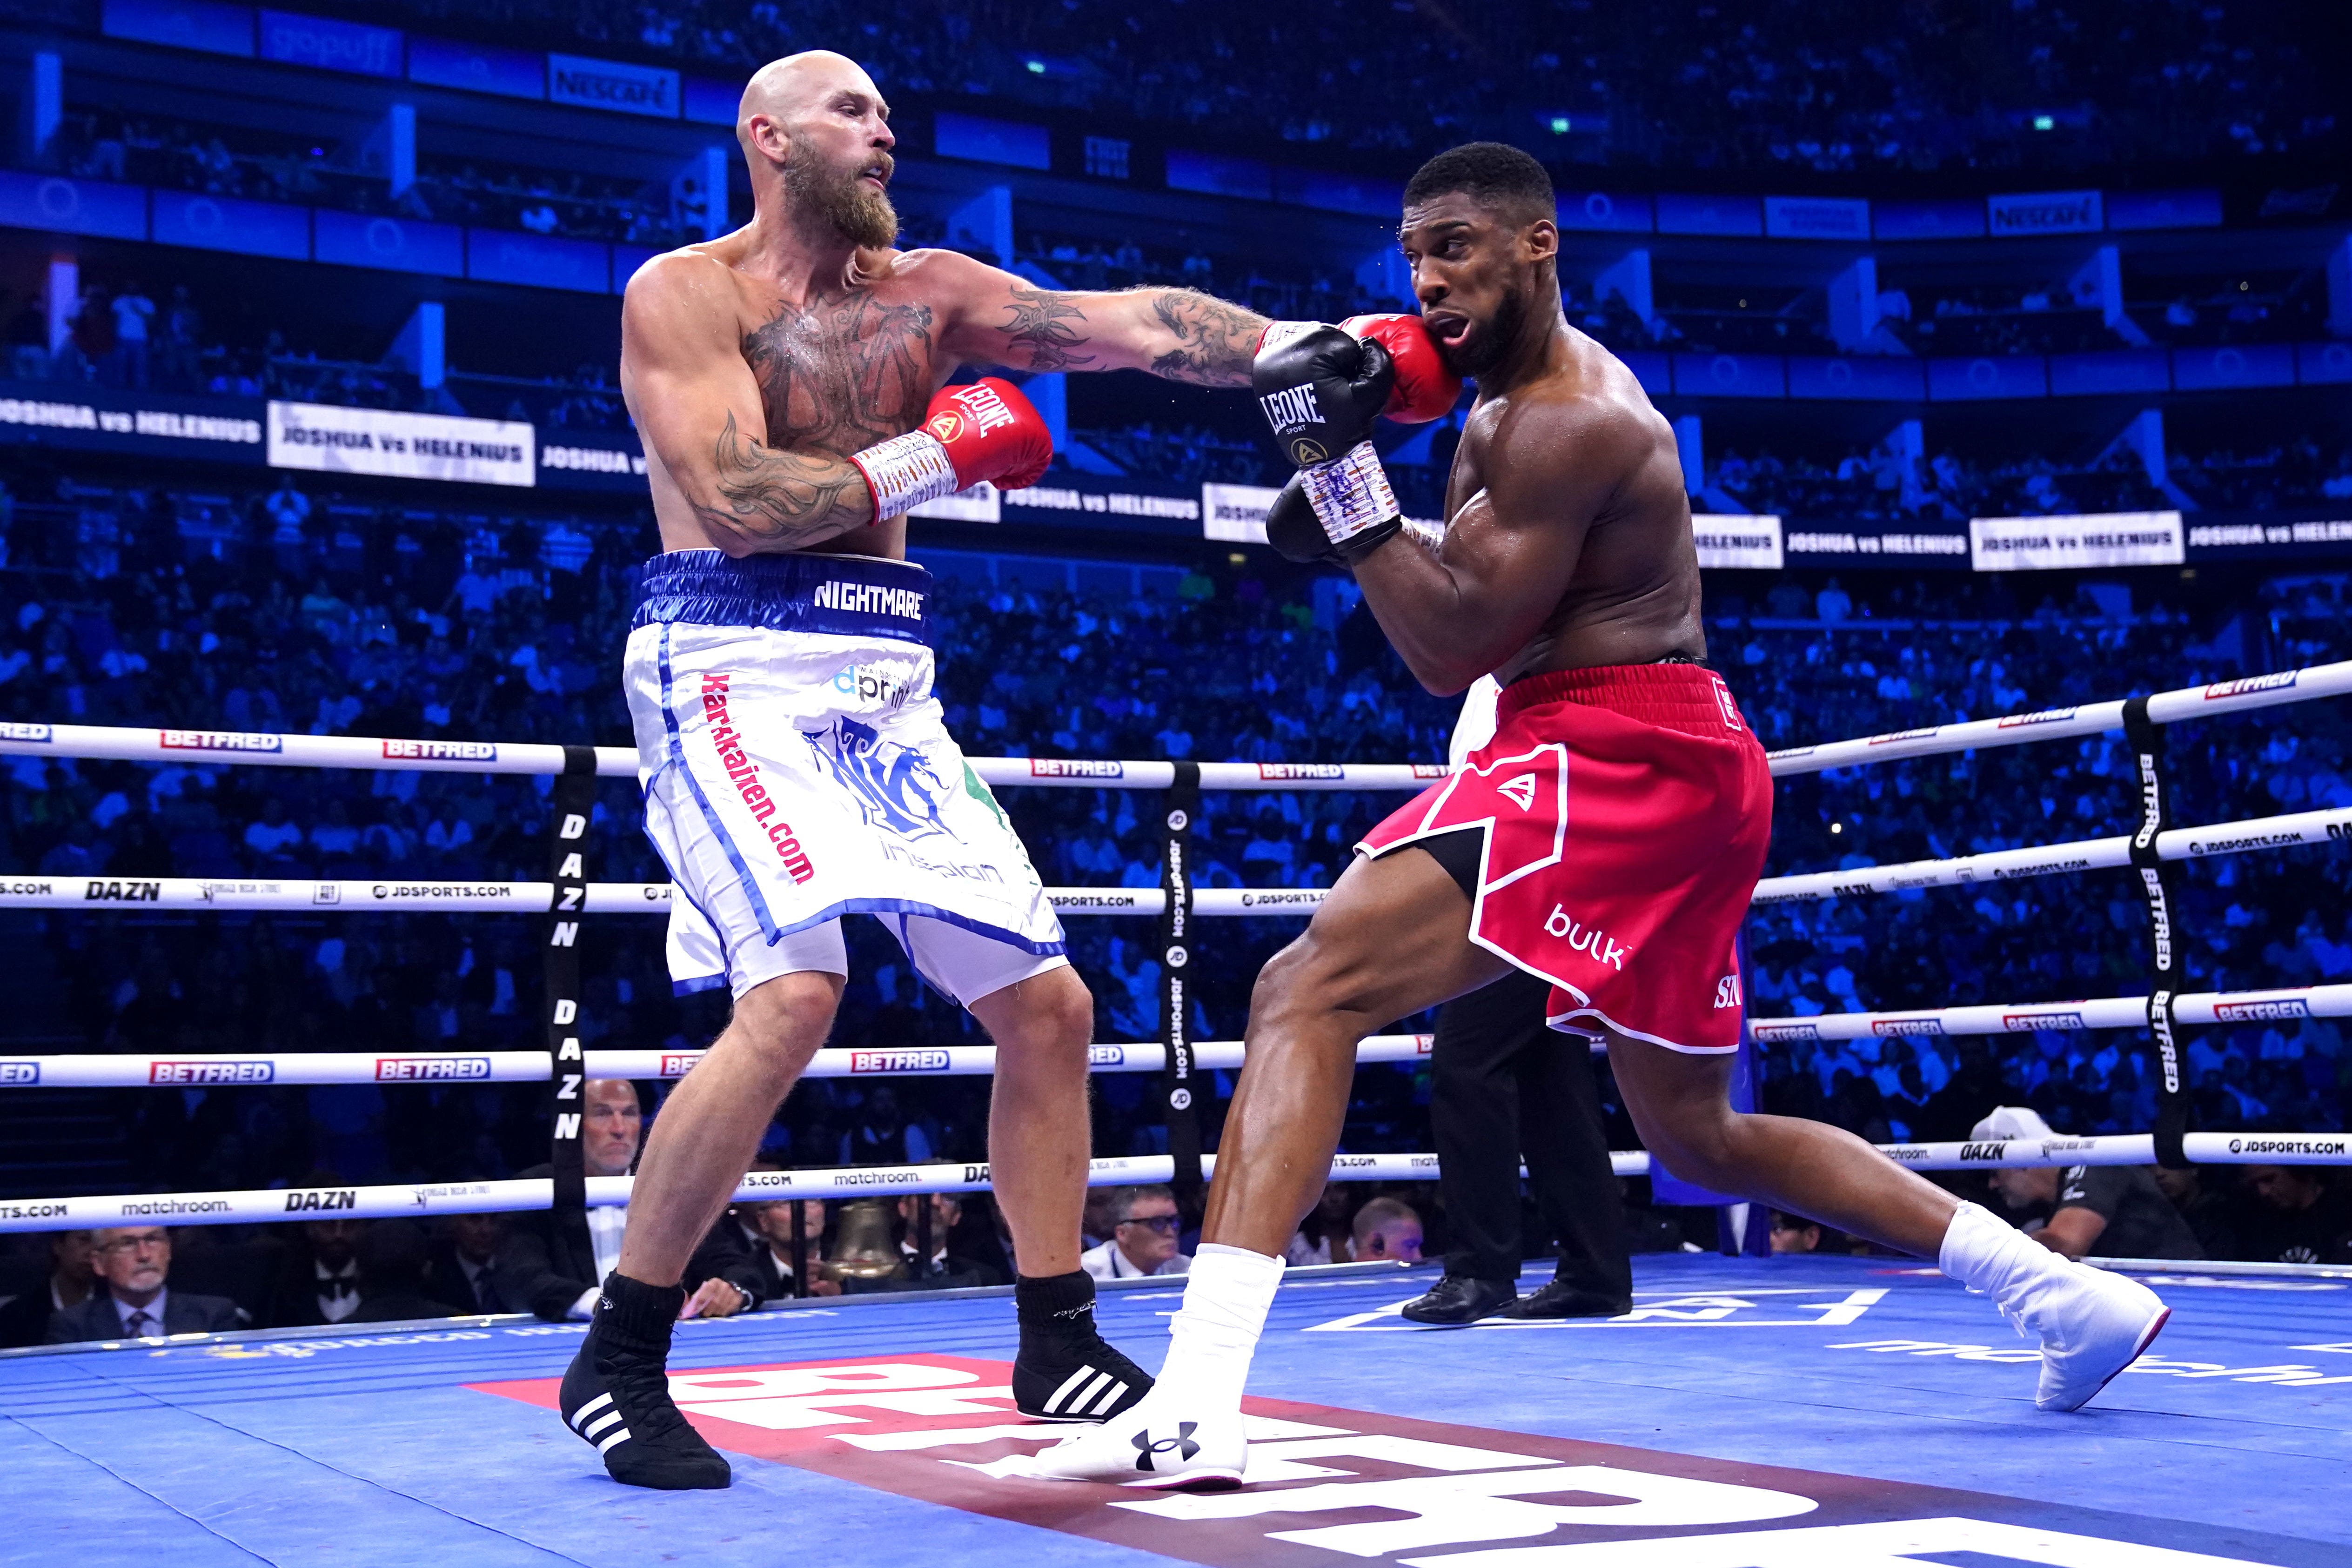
[(1457, 1301), (1561, 1300)]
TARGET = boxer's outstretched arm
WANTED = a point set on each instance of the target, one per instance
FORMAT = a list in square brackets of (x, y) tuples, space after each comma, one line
[(1178, 334), (697, 408), (1456, 611)]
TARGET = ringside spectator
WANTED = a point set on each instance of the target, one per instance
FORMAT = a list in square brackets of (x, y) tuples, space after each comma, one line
[(134, 1263), (555, 1268), (72, 1278), (1387, 1230), (1145, 1225)]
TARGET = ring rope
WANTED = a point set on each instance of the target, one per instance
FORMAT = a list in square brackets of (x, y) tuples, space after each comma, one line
[(356, 895), (116, 743), (313, 1068), (321, 1067), (428, 1200)]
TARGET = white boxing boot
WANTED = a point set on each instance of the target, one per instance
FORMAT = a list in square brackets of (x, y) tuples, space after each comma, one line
[(2092, 1324), (1166, 1440), (1188, 1430)]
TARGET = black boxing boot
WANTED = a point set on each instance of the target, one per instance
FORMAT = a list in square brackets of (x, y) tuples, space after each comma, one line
[(1065, 1370), (615, 1393)]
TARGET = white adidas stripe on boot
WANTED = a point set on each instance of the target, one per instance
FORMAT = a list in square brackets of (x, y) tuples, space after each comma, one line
[(1087, 1396)]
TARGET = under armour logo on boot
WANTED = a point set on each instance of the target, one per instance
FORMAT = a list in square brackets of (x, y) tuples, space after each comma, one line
[(1181, 1444)]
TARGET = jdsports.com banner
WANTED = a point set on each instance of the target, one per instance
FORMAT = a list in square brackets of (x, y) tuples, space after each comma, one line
[(380, 441)]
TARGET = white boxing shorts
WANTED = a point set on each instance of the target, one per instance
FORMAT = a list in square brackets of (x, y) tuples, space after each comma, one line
[(796, 769)]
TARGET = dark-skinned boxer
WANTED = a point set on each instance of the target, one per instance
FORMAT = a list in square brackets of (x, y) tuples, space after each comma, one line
[(1621, 814)]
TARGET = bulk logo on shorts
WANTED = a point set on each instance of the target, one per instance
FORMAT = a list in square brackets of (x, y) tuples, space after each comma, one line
[(745, 775), (1582, 938)]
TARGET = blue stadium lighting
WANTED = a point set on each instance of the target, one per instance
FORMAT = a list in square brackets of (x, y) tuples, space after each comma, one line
[(1037, 68), (2040, 122), (1560, 125)]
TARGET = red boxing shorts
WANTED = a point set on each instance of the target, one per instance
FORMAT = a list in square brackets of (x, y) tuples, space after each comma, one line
[(1627, 809)]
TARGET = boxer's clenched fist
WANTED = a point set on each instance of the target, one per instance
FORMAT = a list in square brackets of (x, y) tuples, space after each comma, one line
[(984, 431), (1292, 529), (1424, 389), (1321, 389)]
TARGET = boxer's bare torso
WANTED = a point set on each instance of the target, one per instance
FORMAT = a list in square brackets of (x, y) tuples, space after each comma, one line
[(1633, 595), (1568, 539), (754, 382)]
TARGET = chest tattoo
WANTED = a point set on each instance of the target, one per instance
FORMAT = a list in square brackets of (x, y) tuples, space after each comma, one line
[(841, 372)]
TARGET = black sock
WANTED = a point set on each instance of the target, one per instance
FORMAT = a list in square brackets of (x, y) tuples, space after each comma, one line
[(1054, 1301), (632, 1315)]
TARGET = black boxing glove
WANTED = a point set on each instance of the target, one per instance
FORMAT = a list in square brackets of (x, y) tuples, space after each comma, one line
[(1322, 390), (1297, 533)]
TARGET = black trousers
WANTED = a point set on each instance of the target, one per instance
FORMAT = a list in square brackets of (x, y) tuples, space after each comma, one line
[(1504, 1086)]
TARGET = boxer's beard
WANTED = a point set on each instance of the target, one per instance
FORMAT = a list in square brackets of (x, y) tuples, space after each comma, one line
[(832, 196), (1487, 348)]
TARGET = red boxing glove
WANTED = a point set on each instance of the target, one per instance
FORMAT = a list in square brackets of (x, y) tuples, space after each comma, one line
[(986, 431), (1425, 389)]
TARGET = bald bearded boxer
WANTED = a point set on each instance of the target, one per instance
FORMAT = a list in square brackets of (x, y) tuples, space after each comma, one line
[(1608, 838), (789, 381)]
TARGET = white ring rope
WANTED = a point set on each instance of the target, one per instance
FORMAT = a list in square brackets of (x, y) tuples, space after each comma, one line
[(355, 896), (317, 1067), (432, 1199), (311, 1068), (375, 754)]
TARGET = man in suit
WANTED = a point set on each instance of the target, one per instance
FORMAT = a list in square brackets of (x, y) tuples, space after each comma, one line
[(1504, 1087), (553, 1266), (462, 1266), (767, 1232), (25, 1319), (393, 1288), (133, 1263)]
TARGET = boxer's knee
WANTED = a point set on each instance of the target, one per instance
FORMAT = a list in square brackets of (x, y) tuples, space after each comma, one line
[(1702, 1143), (1048, 1017), (782, 1021), (1311, 979)]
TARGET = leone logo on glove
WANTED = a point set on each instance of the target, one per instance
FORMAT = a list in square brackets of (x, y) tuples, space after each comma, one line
[(978, 404), (1292, 408), (1181, 1444)]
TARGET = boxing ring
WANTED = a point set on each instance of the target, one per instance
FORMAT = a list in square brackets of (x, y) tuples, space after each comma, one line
[(1870, 1413)]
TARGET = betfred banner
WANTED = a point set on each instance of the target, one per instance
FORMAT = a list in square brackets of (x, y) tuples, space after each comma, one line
[(2058, 543), (380, 441), (1738, 543)]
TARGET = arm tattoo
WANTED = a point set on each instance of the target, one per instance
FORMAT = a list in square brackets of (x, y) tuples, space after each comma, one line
[(1041, 322), (1214, 341), (781, 498)]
